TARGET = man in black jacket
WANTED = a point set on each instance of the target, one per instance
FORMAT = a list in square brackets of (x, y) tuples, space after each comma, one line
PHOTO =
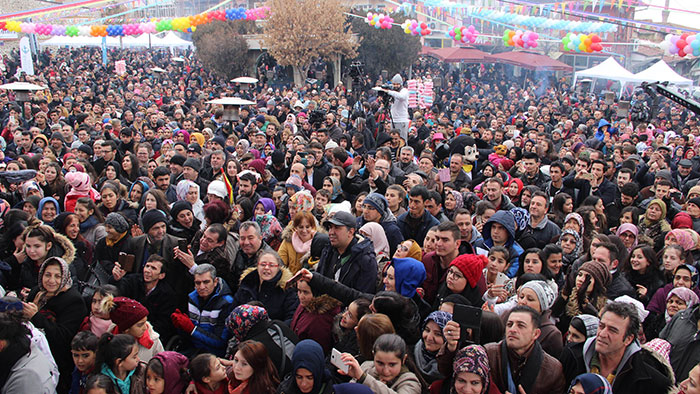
[(348, 259), (151, 291), (615, 353)]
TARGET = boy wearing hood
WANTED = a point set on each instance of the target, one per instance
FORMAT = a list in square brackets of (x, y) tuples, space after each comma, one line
[(499, 230)]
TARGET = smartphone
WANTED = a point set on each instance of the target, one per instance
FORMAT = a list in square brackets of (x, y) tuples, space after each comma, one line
[(126, 261), (293, 280), (182, 244), (444, 174), (468, 317), (500, 280), (337, 361)]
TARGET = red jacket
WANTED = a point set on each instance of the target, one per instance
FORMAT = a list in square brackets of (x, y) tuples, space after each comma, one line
[(316, 321)]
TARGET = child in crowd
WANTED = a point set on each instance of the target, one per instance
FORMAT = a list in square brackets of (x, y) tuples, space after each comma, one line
[(83, 347), (209, 374), (98, 322), (166, 373)]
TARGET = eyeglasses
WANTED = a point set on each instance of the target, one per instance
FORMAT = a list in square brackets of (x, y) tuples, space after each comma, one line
[(403, 248), (268, 265), (455, 273)]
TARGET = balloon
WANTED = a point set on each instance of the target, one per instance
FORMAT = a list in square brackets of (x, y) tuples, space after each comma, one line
[(681, 43)]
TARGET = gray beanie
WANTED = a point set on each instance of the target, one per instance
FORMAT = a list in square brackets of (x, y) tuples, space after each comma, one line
[(193, 163), (590, 322), (545, 293), (397, 79), (118, 222)]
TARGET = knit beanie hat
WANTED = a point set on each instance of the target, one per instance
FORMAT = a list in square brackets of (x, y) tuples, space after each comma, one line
[(151, 218), (695, 201), (415, 251), (682, 220), (586, 324), (193, 163), (124, 312), (598, 271), (471, 266), (79, 181), (544, 293), (377, 201), (118, 222), (180, 206)]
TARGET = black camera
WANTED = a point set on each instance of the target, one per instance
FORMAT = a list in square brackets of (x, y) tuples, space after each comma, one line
[(385, 96), (317, 117)]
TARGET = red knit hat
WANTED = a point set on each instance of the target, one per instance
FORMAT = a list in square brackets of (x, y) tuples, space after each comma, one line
[(471, 266), (682, 220), (126, 312)]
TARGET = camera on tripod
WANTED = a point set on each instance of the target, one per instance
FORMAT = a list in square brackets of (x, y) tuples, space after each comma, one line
[(385, 96)]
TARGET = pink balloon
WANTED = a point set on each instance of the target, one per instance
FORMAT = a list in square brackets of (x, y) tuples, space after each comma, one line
[(533, 44)]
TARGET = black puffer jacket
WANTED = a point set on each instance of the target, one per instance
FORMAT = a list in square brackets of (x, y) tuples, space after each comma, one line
[(359, 271), (280, 302)]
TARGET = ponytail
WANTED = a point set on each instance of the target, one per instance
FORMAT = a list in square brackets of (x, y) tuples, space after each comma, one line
[(112, 347)]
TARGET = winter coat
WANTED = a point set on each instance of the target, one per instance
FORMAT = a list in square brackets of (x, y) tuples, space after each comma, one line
[(640, 371), (685, 345), (29, 270), (549, 379), (178, 230), (209, 318), (242, 261), (505, 219), (315, 321), (60, 320), (359, 271), (435, 275), (550, 337), (651, 280), (123, 208), (406, 383), (266, 333), (291, 258), (280, 302), (30, 374), (427, 222), (93, 233)]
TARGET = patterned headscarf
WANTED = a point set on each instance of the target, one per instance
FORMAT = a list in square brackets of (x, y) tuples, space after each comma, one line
[(683, 238), (625, 227), (522, 217), (269, 227), (302, 200), (473, 359), (439, 317), (242, 319), (579, 245), (458, 198), (182, 188), (578, 218), (66, 280)]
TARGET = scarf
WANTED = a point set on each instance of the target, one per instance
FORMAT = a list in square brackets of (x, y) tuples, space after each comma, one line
[(522, 370), (300, 246), (89, 223), (66, 281), (112, 243), (375, 232), (578, 218), (578, 250), (99, 326), (472, 359), (652, 228), (629, 227), (145, 339), (426, 362), (240, 389), (124, 386)]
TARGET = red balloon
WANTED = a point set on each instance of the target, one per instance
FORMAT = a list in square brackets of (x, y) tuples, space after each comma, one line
[(423, 25), (596, 47), (596, 38), (684, 35), (681, 43), (520, 42), (681, 52)]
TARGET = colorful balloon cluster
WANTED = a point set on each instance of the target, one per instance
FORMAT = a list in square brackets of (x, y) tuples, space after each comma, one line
[(582, 42), (540, 22), (415, 28), (184, 24), (463, 34), (683, 45), (520, 39), (379, 21)]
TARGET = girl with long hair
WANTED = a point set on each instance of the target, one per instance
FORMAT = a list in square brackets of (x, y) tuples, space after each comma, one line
[(252, 371)]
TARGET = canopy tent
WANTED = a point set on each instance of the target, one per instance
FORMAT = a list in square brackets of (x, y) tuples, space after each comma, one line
[(661, 72), (609, 69), (170, 40), (531, 61), (460, 55)]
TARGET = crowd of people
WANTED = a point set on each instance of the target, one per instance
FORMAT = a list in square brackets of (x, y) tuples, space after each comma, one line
[(507, 239)]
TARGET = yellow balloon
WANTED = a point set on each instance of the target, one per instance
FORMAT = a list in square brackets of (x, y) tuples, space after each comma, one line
[(407, 30)]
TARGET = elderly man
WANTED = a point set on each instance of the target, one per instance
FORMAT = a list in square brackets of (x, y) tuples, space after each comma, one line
[(210, 248), (209, 306)]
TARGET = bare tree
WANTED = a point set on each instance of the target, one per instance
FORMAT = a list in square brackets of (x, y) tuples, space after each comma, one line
[(221, 47), (300, 31)]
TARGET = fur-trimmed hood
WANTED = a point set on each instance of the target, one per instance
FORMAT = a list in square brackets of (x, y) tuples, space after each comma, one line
[(65, 247), (251, 275), (322, 304)]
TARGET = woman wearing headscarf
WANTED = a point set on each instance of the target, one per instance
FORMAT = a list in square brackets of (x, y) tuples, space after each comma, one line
[(47, 212), (654, 224), (308, 373), (590, 383), (247, 322), (299, 201), (380, 212), (453, 203), (432, 339), (571, 246), (628, 234), (375, 233), (470, 364), (336, 189), (187, 190), (271, 230), (56, 308)]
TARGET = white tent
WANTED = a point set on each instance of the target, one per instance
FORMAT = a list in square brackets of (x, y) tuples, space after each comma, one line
[(661, 72), (61, 41), (171, 40), (609, 69)]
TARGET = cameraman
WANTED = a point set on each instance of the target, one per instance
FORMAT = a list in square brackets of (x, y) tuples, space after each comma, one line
[(399, 109)]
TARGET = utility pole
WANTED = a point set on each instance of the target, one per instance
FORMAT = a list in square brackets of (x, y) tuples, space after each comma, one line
[(665, 12)]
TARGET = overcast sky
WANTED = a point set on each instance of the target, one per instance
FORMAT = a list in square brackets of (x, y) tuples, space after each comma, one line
[(676, 17)]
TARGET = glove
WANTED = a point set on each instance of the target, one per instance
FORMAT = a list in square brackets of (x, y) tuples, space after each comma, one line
[(182, 321)]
